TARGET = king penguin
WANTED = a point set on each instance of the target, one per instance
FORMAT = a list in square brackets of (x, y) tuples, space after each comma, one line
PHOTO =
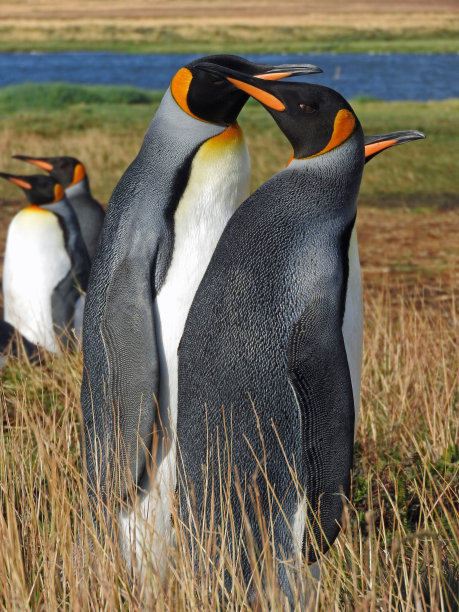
[(71, 174), (162, 224), (267, 375), (46, 265)]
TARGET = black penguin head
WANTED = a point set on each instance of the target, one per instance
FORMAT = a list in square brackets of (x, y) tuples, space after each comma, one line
[(208, 97), (314, 118), (380, 142), (66, 170), (38, 188)]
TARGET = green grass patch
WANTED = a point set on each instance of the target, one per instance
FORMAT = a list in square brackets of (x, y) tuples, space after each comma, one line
[(236, 39), (104, 126)]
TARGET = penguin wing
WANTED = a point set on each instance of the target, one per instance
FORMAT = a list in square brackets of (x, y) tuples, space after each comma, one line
[(63, 300), (128, 334), (319, 374)]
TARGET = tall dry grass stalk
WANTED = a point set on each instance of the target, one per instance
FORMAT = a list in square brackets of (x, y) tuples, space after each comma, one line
[(399, 547)]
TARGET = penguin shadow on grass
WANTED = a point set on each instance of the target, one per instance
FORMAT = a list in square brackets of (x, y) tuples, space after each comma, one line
[(212, 548)]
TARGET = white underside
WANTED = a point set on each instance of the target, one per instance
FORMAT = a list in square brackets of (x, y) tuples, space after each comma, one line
[(35, 262), (216, 187)]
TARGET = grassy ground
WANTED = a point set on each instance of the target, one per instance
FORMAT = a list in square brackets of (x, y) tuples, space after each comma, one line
[(399, 549), (241, 27)]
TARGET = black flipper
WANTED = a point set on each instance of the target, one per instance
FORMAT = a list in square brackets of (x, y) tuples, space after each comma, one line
[(319, 374), (63, 300), (128, 333)]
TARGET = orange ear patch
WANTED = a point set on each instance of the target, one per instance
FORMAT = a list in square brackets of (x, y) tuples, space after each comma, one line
[(59, 193), (78, 174), (20, 182), (180, 85), (342, 128)]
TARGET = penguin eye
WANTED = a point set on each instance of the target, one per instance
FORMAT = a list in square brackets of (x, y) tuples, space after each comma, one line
[(307, 108)]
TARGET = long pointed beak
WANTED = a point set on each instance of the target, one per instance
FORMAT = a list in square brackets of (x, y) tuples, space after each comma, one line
[(381, 142), (283, 71), (251, 85), (17, 180), (36, 161)]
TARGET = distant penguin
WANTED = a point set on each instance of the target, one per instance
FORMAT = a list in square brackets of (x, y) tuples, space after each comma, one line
[(71, 174), (268, 380), (163, 222), (46, 265)]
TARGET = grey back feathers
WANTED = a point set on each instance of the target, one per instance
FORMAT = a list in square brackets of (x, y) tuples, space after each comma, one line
[(89, 212), (265, 328), (67, 293), (119, 339)]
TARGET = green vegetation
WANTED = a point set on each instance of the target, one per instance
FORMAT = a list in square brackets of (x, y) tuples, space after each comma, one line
[(236, 39), (105, 127)]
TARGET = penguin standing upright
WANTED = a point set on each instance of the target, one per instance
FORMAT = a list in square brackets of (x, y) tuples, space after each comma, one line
[(162, 224), (266, 374), (46, 265), (72, 175)]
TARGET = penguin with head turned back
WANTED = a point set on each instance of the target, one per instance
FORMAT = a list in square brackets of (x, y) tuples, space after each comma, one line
[(162, 224), (265, 375), (46, 265), (71, 174)]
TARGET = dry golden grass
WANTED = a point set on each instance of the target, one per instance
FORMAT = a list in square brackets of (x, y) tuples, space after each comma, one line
[(399, 548)]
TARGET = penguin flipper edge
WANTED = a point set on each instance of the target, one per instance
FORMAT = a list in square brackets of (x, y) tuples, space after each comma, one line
[(128, 333), (319, 374)]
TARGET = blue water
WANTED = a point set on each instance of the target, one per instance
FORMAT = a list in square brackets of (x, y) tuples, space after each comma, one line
[(394, 76)]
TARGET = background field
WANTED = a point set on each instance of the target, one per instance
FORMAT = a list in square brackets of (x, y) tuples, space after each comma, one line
[(214, 26)]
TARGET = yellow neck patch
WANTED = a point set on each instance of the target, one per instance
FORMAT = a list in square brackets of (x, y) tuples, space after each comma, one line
[(180, 85), (343, 127), (229, 140), (35, 208)]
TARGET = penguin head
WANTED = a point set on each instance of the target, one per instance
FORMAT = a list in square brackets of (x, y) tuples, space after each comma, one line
[(381, 142), (314, 118), (209, 97), (66, 170), (38, 188)]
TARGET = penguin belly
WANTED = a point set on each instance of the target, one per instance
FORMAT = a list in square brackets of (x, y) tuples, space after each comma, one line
[(219, 182), (36, 261), (353, 321)]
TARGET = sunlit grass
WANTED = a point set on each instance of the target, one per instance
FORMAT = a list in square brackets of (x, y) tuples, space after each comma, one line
[(399, 548), (105, 127)]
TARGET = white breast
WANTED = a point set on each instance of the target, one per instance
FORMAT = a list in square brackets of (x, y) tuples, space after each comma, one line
[(218, 183), (35, 262)]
